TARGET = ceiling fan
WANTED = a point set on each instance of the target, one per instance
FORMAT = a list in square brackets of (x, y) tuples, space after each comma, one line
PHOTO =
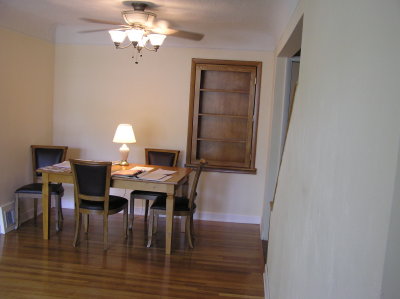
[(141, 27)]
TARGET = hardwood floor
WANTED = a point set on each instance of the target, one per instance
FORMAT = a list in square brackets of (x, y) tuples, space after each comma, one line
[(226, 262)]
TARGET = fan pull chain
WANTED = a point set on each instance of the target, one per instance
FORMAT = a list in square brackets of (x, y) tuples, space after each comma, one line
[(137, 56)]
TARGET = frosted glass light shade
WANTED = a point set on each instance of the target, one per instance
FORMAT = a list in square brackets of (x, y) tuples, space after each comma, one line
[(135, 35), (143, 41), (124, 134), (157, 39), (117, 36)]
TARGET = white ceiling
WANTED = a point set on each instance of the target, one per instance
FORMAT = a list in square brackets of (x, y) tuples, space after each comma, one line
[(227, 24)]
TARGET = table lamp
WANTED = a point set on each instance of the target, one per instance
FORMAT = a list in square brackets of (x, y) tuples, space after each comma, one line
[(124, 134)]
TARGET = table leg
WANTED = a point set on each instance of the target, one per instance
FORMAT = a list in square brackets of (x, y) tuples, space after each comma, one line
[(46, 206), (169, 222)]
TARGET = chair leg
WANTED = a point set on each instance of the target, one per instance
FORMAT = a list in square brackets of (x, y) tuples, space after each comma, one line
[(126, 222), (16, 211), (146, 210), (131, 212), (35, 204), (105, 231), (183, 223), (155, 223), (77, 227), (60, 217), (189, 230), (61, 212), (86, 222), (150, 228)]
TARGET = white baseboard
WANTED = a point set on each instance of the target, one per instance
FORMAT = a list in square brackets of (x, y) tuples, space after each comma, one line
[(68, 203), (221, 217), (266, 284), (28, 214), (26, 210), (210, 216)]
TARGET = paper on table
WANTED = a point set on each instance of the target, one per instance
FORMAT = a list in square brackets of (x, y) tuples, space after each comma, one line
[(135, 171), (59, 167), (165, 171), (156, 178), (64, 164), (160, 175)]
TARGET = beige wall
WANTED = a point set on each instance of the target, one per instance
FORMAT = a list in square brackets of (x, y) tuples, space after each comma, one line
[(98, 87), (337, 184), (26, 98)]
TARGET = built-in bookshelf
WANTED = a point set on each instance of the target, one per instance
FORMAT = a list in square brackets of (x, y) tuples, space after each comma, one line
[(223, 114)]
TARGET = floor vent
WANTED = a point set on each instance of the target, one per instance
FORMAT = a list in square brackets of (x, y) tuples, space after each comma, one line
[(7, 217)]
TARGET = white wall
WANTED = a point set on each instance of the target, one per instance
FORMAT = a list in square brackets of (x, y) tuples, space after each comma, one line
[(391, 270), (98, 87), (26, 97), (288, 45), (331, 217)]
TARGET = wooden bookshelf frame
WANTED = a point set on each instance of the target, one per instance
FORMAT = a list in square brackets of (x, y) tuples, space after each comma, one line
[(223, 114)]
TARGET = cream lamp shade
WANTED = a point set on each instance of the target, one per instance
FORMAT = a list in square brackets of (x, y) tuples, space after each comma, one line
[(124, 134)]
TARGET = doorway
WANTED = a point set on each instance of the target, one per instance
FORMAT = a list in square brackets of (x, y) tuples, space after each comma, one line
[(287, 70)]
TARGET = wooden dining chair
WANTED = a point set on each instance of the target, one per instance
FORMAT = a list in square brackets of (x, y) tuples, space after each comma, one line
[(42, 156), (92, 180), (159, 157), (183, 207)]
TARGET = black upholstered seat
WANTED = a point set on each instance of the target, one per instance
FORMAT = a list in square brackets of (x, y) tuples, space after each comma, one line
[(146, 195), (42, 156), (183, 206), (115, 203), (92, 180), (159, 157), (36, 188)]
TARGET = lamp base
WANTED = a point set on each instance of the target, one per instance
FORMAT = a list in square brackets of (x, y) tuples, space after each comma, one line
[(124, 163), (124, 151)]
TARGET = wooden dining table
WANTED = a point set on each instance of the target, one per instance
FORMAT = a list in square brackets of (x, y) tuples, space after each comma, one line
[(178, 180)]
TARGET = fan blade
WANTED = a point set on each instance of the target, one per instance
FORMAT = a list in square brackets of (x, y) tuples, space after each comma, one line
[(96, 30), (186, 34), (97, 21), (162, 27)]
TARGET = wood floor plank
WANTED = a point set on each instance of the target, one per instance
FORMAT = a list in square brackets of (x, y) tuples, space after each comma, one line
[(225, 262)]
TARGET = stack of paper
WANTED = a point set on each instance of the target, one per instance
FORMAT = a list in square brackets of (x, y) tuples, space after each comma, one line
[(159, 175), (64, 164), (60, 167)]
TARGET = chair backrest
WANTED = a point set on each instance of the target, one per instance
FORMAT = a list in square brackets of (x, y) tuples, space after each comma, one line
[(193, 192), (161, 157), (91, 181), (46, 155)]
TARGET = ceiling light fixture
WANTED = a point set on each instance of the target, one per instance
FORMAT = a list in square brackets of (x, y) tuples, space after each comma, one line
[(140, 31)]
